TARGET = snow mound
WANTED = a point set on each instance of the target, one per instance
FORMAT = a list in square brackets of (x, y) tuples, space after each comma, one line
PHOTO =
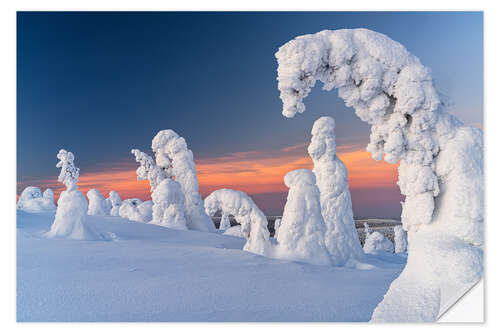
[(245, 211), (400, 241), (441, 159), (234, 231), (171, 150), (115, 202), (32, 200), (136, 210), (97, 204), (376, 242), (341, 237), (169, 209), (302, 229)]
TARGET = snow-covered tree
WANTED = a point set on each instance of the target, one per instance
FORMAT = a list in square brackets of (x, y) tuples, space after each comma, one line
[(367, 229), (224, 222), (114, 201), (376, 242), (277, 224), (441, 159), (71, 214), (171, 150), (149, 170), (341, 237), (245, 211), (97, 203), (31, 200), (169, 209), (136, 210), (400, 242), (302, 230)]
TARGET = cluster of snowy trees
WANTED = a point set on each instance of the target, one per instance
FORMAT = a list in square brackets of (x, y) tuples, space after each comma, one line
[(441, 159), (32, 200)]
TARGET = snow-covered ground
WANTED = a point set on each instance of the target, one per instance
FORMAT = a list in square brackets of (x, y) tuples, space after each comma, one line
[(145, 272)]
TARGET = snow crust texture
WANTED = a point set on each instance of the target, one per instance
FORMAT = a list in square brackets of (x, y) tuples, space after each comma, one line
[(32, 200), (245, 211), (341, 237), (97, 204), (302, 229), (400, 240), (441, 159)]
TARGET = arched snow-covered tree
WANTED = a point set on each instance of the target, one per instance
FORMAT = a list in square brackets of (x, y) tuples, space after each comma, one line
[(400, 242), (245, 211), (169, 209), (97, 203), (441, 159), (115, 202), (71, 214), (302, 230), (172, 149), (341, 237)]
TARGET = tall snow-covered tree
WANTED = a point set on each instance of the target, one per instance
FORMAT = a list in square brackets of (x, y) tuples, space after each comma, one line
[(71, 214), (171, 150), (341, 237), (441, 159), (302, 230)]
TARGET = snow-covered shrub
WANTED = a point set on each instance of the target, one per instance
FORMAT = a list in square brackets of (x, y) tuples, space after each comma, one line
[(97, 204), (169, 208), (136, 210), (341, 237), (171, 150), (245, 211), (114, 201), (441, 159), (277, 224), (224, 222), (71, 214), (376, 242), (400, 242), (302, 231), (32, 200)]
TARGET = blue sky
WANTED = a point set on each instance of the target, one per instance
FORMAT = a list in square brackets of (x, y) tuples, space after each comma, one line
[(100, 84)]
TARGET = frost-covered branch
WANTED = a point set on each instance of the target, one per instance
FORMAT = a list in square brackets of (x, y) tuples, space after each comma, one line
[(69, 172), (148, 169)]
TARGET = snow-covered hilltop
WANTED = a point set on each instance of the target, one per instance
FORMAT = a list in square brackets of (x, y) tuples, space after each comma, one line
[(441, 159)]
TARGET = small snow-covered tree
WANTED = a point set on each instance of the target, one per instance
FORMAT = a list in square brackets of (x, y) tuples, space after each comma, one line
[(171, 150), (367, 230), (169, 209), (302, 231), (31, 200), (97, 203), (71, 214), (277, 224), (400, 242), (224, 222), (341, 237), (114, 201), (136, 210), (376, 242), (245, 211)]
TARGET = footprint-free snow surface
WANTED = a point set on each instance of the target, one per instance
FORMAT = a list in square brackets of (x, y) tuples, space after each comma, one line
[(145, 272)]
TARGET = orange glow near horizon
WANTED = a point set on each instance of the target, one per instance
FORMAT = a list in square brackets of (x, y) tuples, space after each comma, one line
[(252, 172)]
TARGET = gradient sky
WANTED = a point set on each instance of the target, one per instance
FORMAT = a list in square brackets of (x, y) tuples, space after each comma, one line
[(100, 84)]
